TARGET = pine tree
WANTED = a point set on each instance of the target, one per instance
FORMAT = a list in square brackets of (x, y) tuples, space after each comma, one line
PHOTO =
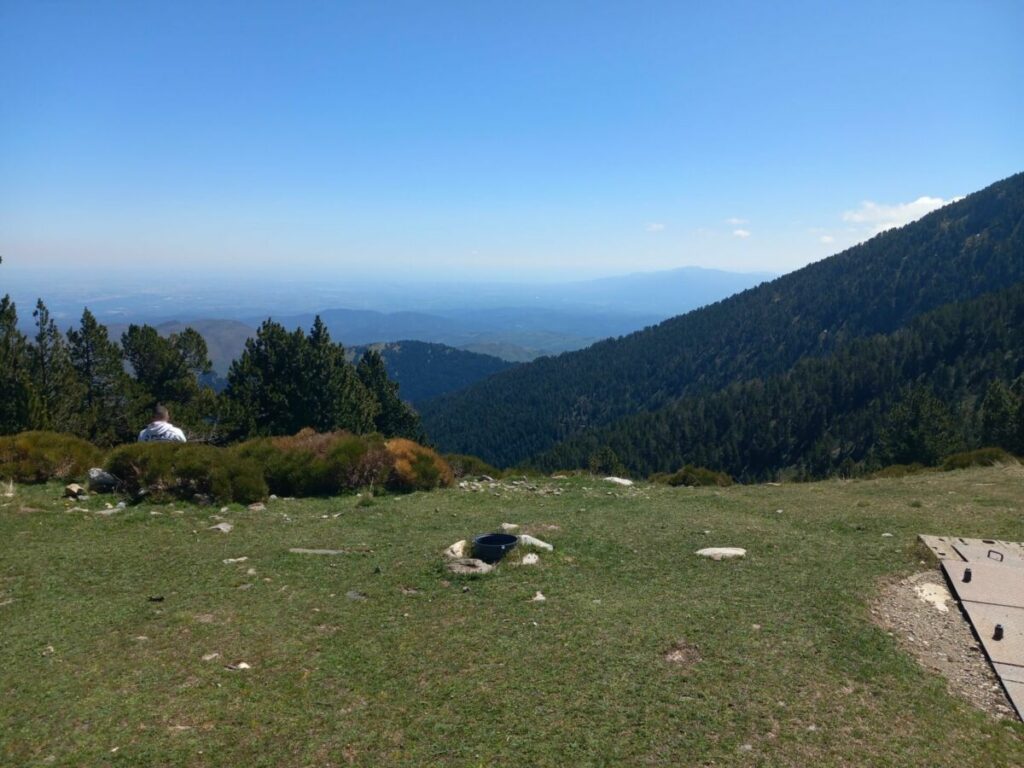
[(53, 376), (17, 396), (395, 418), (920, 429), (335, 398), (999, 416), (104, 408), (166, 369), (265, 386)]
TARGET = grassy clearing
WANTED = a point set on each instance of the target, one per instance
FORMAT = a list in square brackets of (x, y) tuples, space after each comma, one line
[(778, 663)]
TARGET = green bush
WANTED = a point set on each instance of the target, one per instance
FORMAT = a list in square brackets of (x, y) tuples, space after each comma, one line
[(312, 464), (693, 476), (35, 457), (982, 457), (470, 466), (163, 471), (899, 470)]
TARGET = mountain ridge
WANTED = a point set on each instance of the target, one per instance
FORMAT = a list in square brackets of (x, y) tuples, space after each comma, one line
[(955, 253)]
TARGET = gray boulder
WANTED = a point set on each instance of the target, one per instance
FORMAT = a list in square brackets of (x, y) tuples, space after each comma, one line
[(101, 481)]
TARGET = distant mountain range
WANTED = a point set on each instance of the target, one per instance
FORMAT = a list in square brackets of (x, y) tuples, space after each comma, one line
[(955, 254)]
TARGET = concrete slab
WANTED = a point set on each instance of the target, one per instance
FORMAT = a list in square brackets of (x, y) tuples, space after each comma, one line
[(990, 582)]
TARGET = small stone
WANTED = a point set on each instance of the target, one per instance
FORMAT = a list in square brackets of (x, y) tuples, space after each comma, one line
[(509, 527), (222, 527), (530, 541), (746, 747), (223, 510), (231, 560), (886, 535), (74, 491), (722, 553), (251, 572), (304, 551), (469, 566), (259, 506), (238, 665), (538, 598), (531, 558), (122, 504), (619, 481), (457, 550), (355, 594), (272, 497)]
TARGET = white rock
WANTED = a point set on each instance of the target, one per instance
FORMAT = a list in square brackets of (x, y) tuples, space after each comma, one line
[(529, 541), (886, 535), (538, 598), (509, 527), (222, 527), (230, 560), (259, 506), (531, 559), (469, 566), (211, 656), (618, 480), (722, 553), (457, 550)]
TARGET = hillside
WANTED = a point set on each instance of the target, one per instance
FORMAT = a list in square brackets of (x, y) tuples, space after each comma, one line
[(961, 251), (124, 630), (425, 370), (834, 412)]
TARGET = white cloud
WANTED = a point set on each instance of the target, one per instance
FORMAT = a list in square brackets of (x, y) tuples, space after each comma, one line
[(743, 234), (827, 239), (655, 226), (875, 217), (735, 222)]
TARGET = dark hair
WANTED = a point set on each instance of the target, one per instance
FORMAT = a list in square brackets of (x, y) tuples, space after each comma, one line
[(160, 413)]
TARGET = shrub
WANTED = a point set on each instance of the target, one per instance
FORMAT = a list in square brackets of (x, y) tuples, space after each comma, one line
[(314, 464), (982, 457), (163, 471), (416, 468), (35, 457), (469, 466), (899, 470), (693, 476)]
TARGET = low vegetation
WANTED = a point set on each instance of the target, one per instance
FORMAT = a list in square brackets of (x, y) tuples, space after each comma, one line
[(125, 632), (35, 457)]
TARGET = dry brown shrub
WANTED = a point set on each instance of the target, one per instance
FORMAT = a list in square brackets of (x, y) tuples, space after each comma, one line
[(416, 467)]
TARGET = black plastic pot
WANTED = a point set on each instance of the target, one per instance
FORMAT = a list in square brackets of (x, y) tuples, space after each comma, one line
[(491, 547)]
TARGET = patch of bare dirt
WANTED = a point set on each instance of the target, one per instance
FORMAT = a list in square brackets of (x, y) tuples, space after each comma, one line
[(925, 618), (683, 654)]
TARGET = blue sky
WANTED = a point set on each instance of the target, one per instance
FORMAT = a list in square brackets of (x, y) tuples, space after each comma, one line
[(485, 140)]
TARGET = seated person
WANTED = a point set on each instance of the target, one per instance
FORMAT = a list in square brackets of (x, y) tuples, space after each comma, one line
[(160, 429)]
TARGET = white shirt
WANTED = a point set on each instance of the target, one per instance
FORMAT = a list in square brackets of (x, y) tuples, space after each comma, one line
[(161, 431)]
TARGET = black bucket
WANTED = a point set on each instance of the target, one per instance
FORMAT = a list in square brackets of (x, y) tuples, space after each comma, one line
[(491, 547)]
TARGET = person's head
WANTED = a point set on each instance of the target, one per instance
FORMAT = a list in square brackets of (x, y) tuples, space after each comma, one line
[(160, 413)]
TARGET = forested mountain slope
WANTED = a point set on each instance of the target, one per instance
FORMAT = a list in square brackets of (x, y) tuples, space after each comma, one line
[(916, 394), (963, 250), (425, 370)]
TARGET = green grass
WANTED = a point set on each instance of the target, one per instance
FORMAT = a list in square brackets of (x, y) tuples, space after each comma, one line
[(446, 676)]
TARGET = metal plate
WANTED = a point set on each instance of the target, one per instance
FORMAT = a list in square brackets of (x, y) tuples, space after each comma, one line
[(1010, 673), (990, 550), (1016, 693), (991, 582), (941, 546), (984, 617)]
